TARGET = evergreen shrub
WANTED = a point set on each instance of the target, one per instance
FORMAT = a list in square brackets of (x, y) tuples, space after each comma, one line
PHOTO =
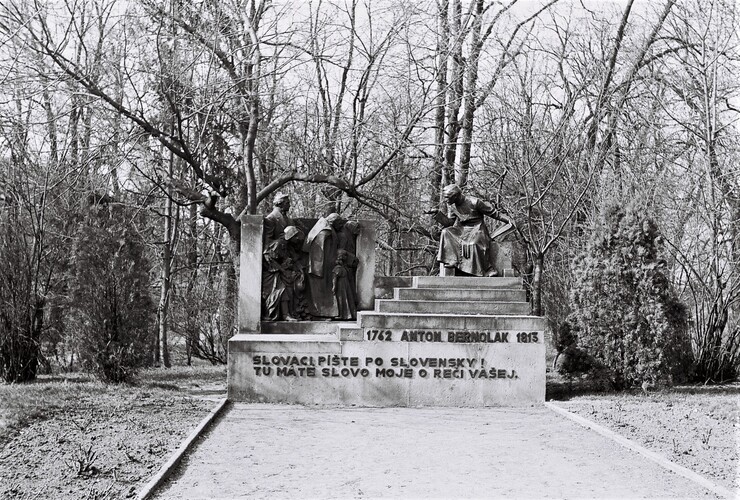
[(112, 310), (626, 314)]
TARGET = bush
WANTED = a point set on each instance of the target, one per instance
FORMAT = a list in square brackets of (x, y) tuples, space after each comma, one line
[(569, 359), (112, 311), (21, 307), (564, 337), (628, 318), (202, 316)]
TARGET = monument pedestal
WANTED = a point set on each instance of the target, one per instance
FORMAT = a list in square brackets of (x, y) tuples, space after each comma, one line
[(444, 341)]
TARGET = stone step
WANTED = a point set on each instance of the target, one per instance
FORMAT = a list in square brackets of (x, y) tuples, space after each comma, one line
[(465, 282), (284, 343), (304, 327), (351, 334), (368, 319), (451, 307), (384, 285), (463, 294)]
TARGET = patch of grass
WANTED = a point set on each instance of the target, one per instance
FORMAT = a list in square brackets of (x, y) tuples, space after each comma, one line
[(561, 388), (179, 374), (726, 389), (83, 438), (21, 404)]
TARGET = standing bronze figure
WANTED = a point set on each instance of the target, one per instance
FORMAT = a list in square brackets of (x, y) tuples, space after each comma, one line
[(322, 245), (277, 220)]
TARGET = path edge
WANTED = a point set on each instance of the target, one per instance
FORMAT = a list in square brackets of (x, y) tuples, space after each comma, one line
[(651, 455), (164, 472)]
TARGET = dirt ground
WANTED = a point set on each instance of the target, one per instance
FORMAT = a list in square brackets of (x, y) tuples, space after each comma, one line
[(697, 427), (81, 439)]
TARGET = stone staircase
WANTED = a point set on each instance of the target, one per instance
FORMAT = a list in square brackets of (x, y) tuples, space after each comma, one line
[(452, 303), (457, 295), (431, 302)]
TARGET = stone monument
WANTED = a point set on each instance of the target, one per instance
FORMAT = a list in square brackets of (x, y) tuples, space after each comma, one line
[(438, 341)]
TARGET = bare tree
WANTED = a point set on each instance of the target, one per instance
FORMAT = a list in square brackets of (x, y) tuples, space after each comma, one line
[(701, 87)]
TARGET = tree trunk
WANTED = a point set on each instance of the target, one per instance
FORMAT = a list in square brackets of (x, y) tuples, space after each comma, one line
[(165, 276), (192, 335), (230, 275), (443, 39), (163, 307), (455, 92), (539, 265), (392, 232), (470, 96)]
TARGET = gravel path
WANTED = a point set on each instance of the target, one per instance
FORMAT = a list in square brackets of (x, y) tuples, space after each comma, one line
[(272, 451)]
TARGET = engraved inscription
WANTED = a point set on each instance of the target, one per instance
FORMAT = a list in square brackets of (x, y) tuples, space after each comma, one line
[(335, 366)]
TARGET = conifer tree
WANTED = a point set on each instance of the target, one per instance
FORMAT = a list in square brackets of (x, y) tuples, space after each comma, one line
[(112, 309), (628, 318)]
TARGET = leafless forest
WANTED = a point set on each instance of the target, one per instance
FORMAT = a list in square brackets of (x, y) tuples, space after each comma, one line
[(161, 121)]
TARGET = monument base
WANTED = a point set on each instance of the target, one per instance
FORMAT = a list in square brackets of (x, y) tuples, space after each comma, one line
[(423, 353)]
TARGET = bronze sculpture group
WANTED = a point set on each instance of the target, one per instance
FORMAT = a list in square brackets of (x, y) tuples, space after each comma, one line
[(308, 276)]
